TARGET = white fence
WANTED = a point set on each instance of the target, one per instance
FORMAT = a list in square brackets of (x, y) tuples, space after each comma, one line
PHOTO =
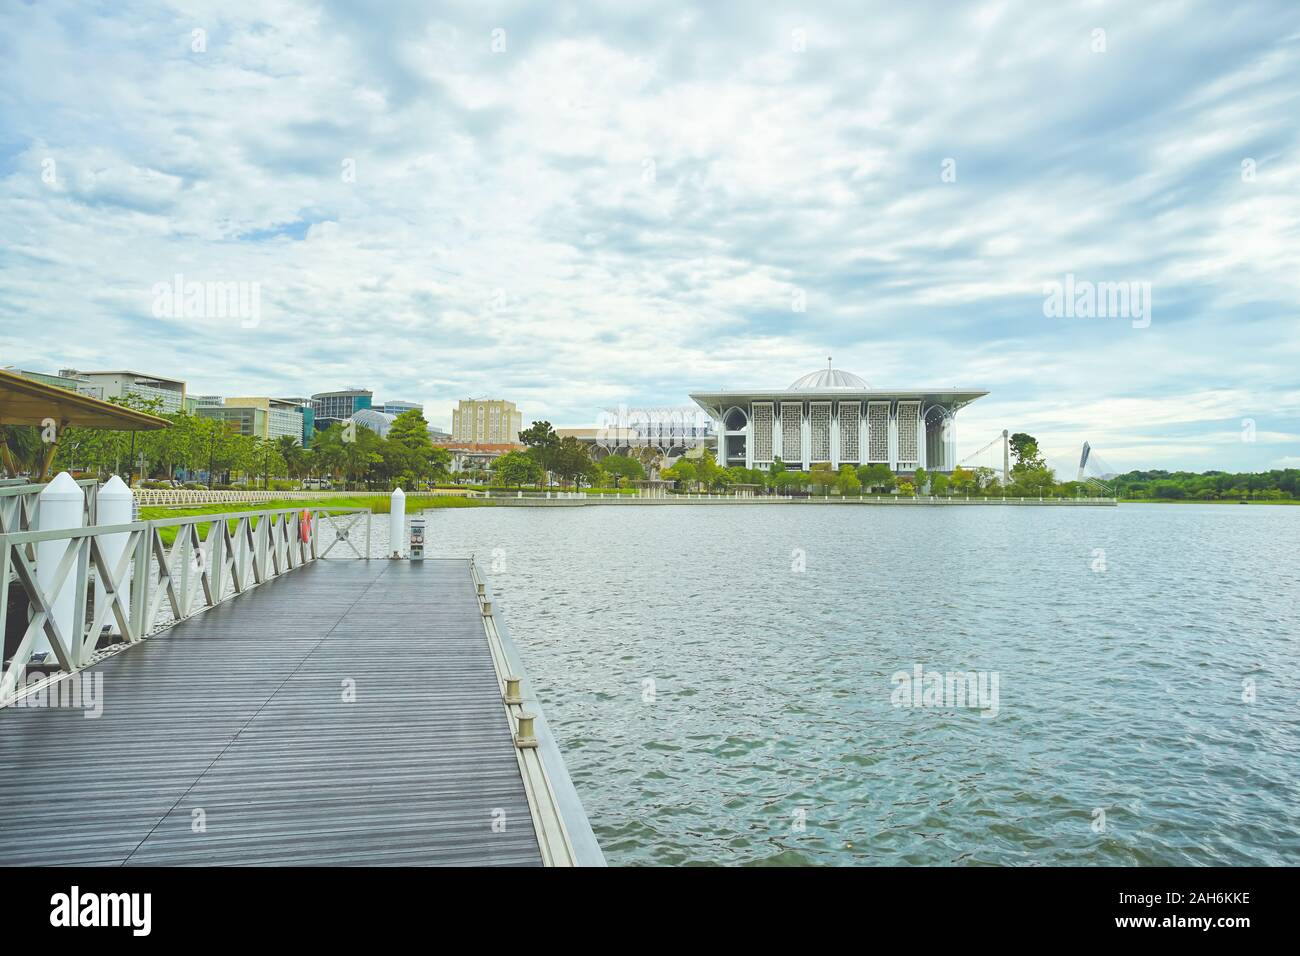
[(191, 496), (20, 504), (142, 583)]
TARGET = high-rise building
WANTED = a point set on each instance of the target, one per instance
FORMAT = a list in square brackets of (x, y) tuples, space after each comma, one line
[(119, 384), (486, 421), (308, 412), (283, 417), (247, 419), (396, 408), (59, 381), (258, 416), (337, 407)]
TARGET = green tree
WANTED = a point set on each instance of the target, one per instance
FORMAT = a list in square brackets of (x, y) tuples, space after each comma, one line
[(543, 444), (572, 461), (906, 489), (361, 456), (268, 460), (293, 455), (707, 472), (740, 475), (621, 467), (848, 482), (791, 481), (1024, 449), (328, 453), (409, 453), (683, 472), (921, 476), (515, 469), (219, 447), (821, 477), (876, 477), (1032, 481), (21, 449), (939, 484)]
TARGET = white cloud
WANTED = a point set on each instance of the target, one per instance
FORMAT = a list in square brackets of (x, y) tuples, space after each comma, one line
[(620, 206)]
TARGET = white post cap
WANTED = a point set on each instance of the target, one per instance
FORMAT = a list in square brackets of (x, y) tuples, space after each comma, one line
[(62, 488), (115, 488)]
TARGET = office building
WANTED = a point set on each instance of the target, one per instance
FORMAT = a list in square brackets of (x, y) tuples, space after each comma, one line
[(332, 408), (119, 384), (486, 421)]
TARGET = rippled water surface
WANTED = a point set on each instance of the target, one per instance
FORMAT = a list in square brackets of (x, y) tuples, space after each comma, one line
[(771, 736)]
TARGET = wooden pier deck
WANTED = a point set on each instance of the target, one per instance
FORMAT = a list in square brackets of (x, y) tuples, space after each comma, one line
[(347, 713)]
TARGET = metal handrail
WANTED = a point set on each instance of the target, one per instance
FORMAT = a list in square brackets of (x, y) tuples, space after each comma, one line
[(206, 562), (20, 504)]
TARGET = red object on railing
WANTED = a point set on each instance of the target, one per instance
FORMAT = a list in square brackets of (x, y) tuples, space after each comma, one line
[(304, 525)]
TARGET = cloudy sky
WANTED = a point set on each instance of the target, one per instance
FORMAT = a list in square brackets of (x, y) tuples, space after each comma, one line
[(577, 206)]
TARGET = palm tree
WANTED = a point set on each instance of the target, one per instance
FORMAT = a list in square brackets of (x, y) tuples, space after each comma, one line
[(21, 450), (327, 450), (292, 453)]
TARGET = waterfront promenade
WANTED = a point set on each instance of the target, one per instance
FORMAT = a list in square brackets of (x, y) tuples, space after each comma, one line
[(562, 499), (347, 712), (183, 498)]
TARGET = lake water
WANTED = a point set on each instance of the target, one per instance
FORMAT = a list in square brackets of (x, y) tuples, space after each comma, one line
[(1146, 659)]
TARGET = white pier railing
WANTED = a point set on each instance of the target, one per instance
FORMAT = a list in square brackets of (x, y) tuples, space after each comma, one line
[(145, 575), (20, 503)]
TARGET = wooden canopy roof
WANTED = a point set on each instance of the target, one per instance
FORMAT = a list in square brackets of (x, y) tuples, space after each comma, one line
[(25, 401)]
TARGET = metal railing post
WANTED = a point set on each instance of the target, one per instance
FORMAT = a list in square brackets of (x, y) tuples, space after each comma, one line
[(140, 584), (5, 552), (185, 531), (81, 578), (216, 557), (236, 553), (265, 530)]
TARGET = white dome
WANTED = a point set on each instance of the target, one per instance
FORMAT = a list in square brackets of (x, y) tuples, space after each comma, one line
[(828, 378), (377, 422)]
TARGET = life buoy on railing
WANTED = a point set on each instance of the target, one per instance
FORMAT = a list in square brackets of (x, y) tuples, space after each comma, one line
[(304, 526)]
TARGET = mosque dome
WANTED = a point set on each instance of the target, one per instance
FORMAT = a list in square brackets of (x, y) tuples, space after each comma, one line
[(828, 378)]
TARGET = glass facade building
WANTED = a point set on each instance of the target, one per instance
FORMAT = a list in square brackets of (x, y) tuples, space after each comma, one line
[(335, 407)]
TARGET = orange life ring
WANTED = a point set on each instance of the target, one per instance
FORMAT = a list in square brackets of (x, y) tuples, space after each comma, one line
[(304, 525)]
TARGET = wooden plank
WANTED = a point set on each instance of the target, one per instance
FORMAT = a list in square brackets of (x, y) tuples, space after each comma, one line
[(345, 713)]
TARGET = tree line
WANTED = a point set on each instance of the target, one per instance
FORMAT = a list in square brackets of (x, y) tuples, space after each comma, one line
[(195, 445), (547, 458), (356, 457), (1276, 485)]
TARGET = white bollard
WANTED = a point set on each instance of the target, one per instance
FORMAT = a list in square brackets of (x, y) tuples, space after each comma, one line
[(396, 522), (114, 506), (62, 506)]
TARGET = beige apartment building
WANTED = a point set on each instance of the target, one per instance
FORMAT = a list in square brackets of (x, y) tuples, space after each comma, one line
[(486, 422)]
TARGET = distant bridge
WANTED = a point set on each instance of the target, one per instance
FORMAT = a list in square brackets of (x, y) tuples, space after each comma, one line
[(996, 456)]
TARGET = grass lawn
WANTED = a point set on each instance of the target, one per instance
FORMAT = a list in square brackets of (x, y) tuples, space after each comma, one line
[(377, 503)]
